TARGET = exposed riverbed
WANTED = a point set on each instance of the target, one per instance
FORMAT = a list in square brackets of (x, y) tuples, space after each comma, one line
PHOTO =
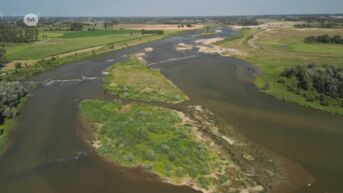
[(47, 153)]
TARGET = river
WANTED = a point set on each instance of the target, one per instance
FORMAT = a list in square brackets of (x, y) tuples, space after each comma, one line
[(47, 153)]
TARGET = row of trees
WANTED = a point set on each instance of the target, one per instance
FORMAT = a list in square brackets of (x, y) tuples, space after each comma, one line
[(324, 39), (10, 95), (158, 32), (318, 82), (17, 33)]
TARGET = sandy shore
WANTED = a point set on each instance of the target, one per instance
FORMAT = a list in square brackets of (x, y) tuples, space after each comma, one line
[(158, 27), (207, 46)]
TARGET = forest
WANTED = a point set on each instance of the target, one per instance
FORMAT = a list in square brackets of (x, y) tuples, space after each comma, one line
[(316, 83)]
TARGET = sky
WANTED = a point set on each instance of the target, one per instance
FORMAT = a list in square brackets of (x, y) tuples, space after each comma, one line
[(167, 7)]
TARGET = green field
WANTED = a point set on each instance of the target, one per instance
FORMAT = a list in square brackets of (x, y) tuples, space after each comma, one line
[(63, 42), (283, 48), (133, 80), (81, 34), (139, 135)]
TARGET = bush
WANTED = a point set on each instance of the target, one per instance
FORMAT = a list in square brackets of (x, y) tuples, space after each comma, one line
[(10, 95), (18, 65)]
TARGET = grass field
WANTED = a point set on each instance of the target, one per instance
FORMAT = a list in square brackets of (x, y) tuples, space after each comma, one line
[(280, 48), (140, 135), (133, 80), (63, 42)]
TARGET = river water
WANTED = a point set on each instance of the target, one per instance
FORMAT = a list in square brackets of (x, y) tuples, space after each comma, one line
[(47, 153)]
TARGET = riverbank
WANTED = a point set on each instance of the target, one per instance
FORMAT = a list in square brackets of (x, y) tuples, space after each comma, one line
[(277, 47), (53, 62)]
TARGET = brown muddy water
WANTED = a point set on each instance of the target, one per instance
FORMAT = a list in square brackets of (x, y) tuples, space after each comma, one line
[(48, 155)]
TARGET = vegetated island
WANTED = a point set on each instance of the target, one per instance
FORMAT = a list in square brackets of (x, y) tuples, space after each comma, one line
[(133, 80), (279, 48), (192, 148)]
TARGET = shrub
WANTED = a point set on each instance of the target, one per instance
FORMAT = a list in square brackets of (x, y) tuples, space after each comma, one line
[(18, 65), (10, 95)]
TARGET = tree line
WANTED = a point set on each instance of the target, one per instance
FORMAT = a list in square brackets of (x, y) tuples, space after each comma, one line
[(17, 34), (324, 39), (316, 83), (319, 25)]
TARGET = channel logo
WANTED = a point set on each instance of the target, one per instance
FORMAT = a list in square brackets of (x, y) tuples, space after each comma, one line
[(31, 20)]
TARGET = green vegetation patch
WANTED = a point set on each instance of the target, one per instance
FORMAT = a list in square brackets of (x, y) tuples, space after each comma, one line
[(133, 80), (322, 85), (140, 135), (6, 128), (275, 50)]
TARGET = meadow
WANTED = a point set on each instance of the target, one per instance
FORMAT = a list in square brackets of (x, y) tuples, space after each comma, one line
[(274, 50), (133, 80)]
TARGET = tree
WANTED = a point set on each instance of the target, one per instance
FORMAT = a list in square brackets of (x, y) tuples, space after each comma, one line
[(310, 39), (76, 26), (3, 59), (324, 39), (337, 39)]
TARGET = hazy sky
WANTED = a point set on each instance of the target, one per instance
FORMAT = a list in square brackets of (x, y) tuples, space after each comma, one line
[(167, 7)]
